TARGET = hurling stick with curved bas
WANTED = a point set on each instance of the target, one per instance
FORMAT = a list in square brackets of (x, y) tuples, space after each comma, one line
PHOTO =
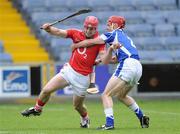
[(79, 12)]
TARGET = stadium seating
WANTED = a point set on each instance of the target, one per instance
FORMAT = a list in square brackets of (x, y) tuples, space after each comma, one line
[(153, 17), (172, 16), (156, 56), (164, 30), (123, 5), (98, 5), (178, 30), (65, 56), (175, 55), (144, 4), (165, 4), (33, 5), (1, 47), (5, 58), (59, 46), (77, 5), (152, 24), (140, 30), (162, 56), (171, 43), (57, 5), (149, 43)]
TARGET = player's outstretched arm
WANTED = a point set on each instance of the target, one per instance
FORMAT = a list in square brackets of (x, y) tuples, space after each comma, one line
[(87, 43), (54, 31), (108, 58)]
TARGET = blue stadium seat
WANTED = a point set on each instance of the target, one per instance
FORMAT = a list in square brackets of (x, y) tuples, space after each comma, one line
[(172, 16), (158, 56), (166, 4), (58, 46), (102, 28), (123, 5), (178, 30), (5, 58), (146, 56), (64, 56), (104, 15), (98, 5), (140, 30), (164, 30), (149, 43), (34, 5), (39, 18), (144, 4), (175, 55), (1, 47), (74, 4), (153, 17), (162, 56), (58, 5), (132, 17), (171, 43), (137, 42)]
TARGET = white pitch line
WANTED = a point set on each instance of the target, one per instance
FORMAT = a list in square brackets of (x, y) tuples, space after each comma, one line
[(46, 109), (4, 132), (160, 112), (18, 132)]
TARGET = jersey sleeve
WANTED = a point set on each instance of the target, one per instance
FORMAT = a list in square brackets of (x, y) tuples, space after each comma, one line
[(70, 33), (108, 37)]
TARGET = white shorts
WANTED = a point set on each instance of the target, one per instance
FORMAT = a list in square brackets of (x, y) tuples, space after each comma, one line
[(79, 82), (130, 70)]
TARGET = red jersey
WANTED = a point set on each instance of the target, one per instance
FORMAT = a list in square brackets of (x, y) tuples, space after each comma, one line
[(83, 59)]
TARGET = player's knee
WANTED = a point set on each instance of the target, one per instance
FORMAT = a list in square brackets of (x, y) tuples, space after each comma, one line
[(121, 97), (77, 107), (104, 96)]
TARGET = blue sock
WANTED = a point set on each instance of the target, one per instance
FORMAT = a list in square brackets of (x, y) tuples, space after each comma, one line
[(134, 107), (109, 121), (139, 113)]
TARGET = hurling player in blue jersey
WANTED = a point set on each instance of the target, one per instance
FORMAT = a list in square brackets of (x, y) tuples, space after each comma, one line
[(127, 73)]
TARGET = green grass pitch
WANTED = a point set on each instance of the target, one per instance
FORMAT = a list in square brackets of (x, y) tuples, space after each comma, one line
[(61, 118)]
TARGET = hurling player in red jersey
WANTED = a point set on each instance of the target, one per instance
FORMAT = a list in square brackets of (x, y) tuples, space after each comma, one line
[(76, 72)]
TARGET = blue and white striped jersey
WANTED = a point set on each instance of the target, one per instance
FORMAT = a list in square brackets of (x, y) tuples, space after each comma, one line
[(127, 49)]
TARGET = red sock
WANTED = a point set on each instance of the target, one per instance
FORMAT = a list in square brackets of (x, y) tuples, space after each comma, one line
[(39, 105), (84, 115)]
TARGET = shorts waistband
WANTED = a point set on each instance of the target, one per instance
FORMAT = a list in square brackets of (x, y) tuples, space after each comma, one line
[(75, 71), (135, 57)]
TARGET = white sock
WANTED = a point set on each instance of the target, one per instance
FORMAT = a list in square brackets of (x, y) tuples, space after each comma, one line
[(108, 112), (134, 106)]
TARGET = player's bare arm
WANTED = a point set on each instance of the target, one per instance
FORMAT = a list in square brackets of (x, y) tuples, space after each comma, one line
[(108, 58), (54, 31), (87, 43)]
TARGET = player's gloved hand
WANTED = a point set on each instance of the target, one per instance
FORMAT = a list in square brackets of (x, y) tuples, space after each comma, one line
[(46, 27)]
